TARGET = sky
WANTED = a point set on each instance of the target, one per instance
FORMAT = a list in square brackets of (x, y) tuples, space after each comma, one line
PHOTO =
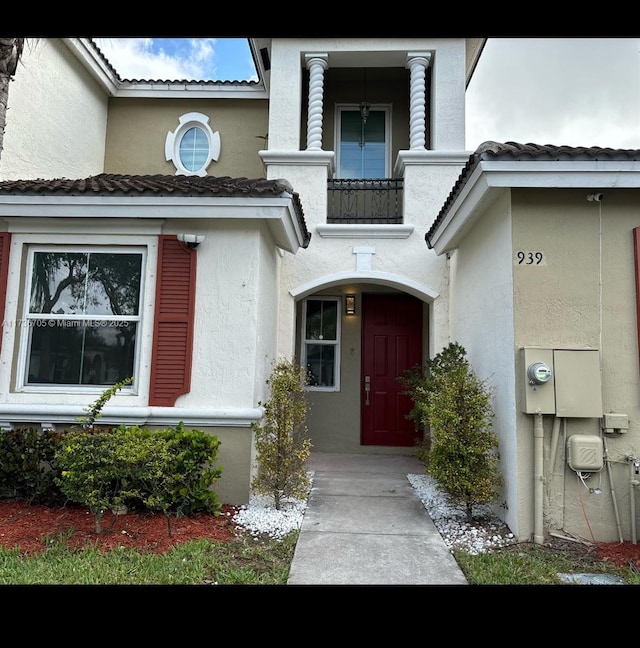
[(561, 91)]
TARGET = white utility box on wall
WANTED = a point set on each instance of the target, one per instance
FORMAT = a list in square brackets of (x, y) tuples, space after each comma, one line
[(585, 453)]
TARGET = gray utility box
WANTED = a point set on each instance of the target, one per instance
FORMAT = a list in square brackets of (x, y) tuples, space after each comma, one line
[(571, 388), (585, 453)]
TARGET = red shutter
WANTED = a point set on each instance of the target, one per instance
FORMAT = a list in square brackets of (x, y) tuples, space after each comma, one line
[(5, 243), (173, 327), (636, 255)]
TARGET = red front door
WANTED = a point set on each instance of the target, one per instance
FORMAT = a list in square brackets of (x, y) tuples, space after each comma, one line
[(391, 343)]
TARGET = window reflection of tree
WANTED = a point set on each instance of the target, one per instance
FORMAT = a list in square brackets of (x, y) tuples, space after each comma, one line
[(66, 350)]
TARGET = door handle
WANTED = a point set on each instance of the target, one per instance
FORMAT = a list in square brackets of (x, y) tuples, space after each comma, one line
[(367, 388)]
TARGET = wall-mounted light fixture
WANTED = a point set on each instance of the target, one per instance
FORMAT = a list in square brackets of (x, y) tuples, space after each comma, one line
[(350, 304), (191, 240)]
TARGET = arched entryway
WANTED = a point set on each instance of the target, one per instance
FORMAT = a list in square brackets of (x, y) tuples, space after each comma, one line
[(388, 333)]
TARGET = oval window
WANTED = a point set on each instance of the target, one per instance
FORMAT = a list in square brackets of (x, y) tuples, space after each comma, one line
[(194, 149), (193, 145)]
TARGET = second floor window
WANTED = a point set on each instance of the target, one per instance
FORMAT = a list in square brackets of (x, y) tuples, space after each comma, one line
[(363, 146), (193, 145)]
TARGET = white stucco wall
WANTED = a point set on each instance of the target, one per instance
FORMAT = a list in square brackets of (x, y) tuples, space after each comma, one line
[(235, 295), (481, 320), (56, 118)]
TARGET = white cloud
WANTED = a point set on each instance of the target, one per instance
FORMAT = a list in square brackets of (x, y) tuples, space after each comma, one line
[(161, 59), (576, 92)]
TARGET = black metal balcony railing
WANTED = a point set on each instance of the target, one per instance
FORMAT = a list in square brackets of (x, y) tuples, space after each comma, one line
[(365, 201)]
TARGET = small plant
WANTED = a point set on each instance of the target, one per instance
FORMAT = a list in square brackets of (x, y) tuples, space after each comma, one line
[(456, 405), (94, 411), (281, 439)]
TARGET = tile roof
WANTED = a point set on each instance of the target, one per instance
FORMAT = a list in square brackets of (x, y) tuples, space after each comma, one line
[(106, 184), (192, 82), (514, 152)]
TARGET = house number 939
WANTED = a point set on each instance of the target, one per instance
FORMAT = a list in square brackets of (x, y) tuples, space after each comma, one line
[(530, 258)]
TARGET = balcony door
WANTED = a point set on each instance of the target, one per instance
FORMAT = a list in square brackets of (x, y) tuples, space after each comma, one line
[(362, 146)]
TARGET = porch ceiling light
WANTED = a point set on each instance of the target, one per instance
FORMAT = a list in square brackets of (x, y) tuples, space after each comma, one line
[(191, 240), (350, 304), (364, 111)]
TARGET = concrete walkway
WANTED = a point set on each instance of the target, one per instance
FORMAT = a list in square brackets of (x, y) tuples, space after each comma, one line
[(365, 525)]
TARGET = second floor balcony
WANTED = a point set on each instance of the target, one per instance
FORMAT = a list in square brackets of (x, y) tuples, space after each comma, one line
[(365, 201)]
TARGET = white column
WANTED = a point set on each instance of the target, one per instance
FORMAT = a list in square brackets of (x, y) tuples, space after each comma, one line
[(417, 64), (316, 64)]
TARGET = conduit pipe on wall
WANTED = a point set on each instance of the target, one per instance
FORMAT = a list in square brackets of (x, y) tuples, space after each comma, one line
[(555, 434), (613, 488), (538, 485), (634, 464)]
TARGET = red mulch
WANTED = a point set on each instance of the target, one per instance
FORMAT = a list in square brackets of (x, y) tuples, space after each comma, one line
[(620, 554), (28, 526)]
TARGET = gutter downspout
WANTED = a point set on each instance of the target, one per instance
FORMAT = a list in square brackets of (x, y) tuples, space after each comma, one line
[(538, 447)]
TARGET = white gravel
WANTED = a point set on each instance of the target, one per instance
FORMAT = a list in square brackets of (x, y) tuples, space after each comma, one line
[(260, 517), (485, 532)]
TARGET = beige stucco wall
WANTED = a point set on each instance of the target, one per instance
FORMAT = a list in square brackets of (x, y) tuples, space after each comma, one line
[(137, 130), (236, 459), (56, 116), (582, 297)]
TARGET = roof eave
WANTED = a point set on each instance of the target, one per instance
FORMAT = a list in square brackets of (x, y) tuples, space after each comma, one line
[(490, 179), (281, 213)]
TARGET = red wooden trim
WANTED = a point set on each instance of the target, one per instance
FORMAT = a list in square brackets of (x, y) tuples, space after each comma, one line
[(636, 256), (173, 325), (5, 244)]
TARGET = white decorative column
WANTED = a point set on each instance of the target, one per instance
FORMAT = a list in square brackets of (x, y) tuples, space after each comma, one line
[(316, 64), (417, 64)]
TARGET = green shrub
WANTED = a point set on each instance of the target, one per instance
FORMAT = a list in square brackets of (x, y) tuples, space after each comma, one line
[(170, 470), (27, 464), (90, 473), (194, 454), (456, 405), (282, 445), (419, 383)]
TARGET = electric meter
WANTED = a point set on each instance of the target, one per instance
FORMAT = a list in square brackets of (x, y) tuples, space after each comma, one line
[(539, 373)]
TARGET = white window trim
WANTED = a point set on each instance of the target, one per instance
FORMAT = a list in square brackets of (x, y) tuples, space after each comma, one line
[(337, 343), (23, 348), (386, 108), (172, 143)]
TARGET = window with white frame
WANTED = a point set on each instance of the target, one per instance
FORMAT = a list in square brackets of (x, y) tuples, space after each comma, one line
[(193, 145), (321, 342), (363, 145), (81, 324)]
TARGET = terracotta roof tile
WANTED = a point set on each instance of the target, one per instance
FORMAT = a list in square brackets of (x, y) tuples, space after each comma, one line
[(113, 184), (512, 151)]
